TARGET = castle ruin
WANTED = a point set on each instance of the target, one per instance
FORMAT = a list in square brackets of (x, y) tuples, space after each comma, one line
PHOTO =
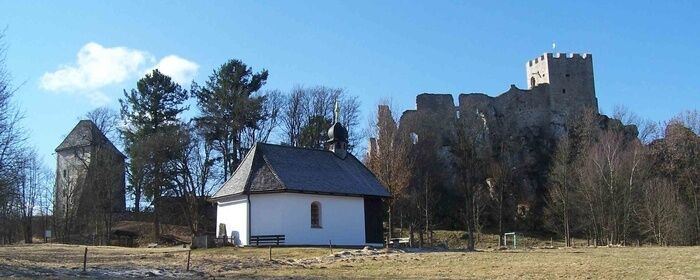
[(519, 128), (560, 86)]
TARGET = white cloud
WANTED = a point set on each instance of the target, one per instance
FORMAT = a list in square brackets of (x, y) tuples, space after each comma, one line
[(98, 66), (181, 70)]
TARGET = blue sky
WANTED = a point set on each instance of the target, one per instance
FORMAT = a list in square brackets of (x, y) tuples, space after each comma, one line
[(645, 53)]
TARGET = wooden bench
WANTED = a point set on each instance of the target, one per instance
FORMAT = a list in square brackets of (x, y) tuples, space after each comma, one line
[(257, 240), (399, 241)]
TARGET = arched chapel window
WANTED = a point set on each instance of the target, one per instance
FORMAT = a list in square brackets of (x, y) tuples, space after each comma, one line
[(316, 214)]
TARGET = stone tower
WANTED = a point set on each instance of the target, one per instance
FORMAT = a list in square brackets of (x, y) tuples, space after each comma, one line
[(90, 175), (568, 79)]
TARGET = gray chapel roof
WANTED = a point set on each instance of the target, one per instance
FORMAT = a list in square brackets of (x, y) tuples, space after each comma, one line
[(276, 168), (85, 134)]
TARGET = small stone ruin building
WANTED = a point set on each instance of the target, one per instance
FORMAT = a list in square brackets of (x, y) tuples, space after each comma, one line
[(90, 174)]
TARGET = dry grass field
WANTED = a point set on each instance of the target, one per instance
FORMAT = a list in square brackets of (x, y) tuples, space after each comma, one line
[(65, 261)]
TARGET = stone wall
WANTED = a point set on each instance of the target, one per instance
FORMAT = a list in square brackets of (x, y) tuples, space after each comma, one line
[(562, 87), (83, 176)]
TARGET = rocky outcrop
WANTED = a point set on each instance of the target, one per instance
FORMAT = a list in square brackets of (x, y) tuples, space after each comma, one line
[(519, 128)]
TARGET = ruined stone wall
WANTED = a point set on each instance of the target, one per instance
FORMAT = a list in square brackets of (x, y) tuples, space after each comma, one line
[(560, 86), (70, 175), (435, 117), (524, 125), (80, 172)]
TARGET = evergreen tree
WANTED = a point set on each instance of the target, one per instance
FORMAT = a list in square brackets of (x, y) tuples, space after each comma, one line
[(315, 133), (150, 113), (228, 105)]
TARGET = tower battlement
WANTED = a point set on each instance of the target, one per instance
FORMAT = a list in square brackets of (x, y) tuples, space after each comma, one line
[(552, 56), (570, 79)]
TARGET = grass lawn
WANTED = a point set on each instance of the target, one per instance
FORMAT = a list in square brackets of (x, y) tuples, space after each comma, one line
[(589, 263), (65, 261)]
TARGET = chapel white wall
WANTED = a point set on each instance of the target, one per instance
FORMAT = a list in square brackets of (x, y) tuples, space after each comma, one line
[(234, 213), (342, 218)]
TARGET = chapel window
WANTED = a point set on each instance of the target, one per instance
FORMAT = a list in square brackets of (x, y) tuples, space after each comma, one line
[(316, 214)]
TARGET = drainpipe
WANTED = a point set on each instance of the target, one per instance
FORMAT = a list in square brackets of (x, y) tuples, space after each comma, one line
[(248, 236)]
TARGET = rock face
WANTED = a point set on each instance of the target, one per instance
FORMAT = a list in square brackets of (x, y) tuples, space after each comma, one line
[(523, 125)]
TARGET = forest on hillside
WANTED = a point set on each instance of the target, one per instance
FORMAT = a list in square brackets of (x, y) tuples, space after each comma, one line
[(602, 181)]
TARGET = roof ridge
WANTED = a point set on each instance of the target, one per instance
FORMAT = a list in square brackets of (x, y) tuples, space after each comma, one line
[(252, 152), (86, 131), (294, 147), (274, 172)]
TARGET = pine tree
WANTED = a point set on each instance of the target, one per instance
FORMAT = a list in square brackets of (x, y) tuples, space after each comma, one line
[(228, 105), (150, 113)]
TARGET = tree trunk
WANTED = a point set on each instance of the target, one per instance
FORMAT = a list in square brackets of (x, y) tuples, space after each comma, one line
[(108, 229), (427, 215), (391, 227), (470, 224), (420, 238), (28, 230), (156, 216), (137, 200), (567, 233), (697, 216), (500, 218)]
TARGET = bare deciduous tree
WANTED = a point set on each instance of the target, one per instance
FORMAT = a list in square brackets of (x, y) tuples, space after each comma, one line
[(659, 211), (676, 157), (308, 113), (470, 173), (195, 176), (270, 115), (107, 120), (498, 184), (388, 158), (609, 176), (294, 114)]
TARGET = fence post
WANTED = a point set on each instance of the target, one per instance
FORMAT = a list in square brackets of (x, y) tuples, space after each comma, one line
[(85, 260), (330, 245), (270, 247), (188, 259)]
